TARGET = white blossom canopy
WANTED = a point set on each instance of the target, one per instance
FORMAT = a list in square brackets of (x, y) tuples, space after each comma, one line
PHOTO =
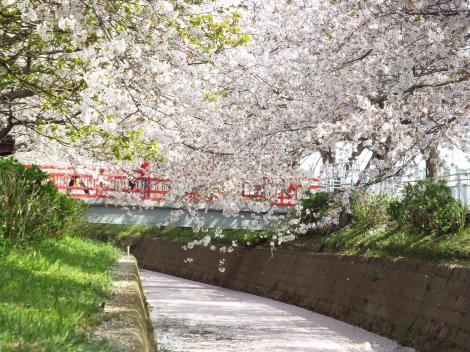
[(390, 77)]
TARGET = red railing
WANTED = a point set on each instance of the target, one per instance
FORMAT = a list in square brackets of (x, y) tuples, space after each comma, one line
[(99, 183), (285, 194)]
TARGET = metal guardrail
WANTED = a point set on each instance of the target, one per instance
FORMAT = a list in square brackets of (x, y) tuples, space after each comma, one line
[(458, 182)]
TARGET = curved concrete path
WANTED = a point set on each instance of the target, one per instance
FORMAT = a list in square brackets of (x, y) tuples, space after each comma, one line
[(195, 317)]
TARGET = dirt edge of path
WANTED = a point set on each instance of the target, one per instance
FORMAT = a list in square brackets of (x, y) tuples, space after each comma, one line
[(125, 318)]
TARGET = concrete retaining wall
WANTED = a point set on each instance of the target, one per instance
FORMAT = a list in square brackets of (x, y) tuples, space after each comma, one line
[(126, 322), (423, 305)]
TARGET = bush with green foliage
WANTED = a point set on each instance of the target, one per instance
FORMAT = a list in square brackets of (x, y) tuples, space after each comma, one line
[(314, 207), (31, 206), (428, 208), (368, 210)]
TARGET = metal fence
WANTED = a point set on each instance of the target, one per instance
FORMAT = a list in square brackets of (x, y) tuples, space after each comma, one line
[(459, 184), (348, 175)]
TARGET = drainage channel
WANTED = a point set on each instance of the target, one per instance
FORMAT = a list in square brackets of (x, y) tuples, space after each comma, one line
[(197, 317)]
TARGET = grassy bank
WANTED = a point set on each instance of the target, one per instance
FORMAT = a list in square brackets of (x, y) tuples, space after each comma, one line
[(393, 242), (123, 235), (382, 241), (50, 293)]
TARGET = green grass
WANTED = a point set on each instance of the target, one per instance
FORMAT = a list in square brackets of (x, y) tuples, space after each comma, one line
[(387, 241), (117, 233), (124, 234), (50, 293), (242, 237), (393, 242)]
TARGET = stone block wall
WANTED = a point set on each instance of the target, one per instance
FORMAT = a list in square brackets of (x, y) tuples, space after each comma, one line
[(422, 305)]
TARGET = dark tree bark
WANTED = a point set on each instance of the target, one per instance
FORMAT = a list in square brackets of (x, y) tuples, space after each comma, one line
[(327, 156), (432, 162), (7, 146), (6, 129)]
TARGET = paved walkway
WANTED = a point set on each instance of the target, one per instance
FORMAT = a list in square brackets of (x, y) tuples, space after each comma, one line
[(191, 316)]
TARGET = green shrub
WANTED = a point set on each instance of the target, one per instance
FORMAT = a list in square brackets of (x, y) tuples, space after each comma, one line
[(369, 211), (428, 208), (314, 207), (395, 209), (318, 205), (31, 206)]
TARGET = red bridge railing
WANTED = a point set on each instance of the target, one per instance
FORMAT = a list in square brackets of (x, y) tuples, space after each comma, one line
[(108, 184)]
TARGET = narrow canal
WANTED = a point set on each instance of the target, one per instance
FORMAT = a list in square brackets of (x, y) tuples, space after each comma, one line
[(195, 317)]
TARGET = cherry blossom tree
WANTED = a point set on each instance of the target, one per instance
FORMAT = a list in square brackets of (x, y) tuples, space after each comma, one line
[(84, 73), (387, 77), (390, 78)]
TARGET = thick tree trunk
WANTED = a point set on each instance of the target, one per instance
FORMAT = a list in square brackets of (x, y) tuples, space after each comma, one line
[(7, 127), (360, 148), (3, 132), (7, 146), (296, 156), (432, 162), (328, 157)]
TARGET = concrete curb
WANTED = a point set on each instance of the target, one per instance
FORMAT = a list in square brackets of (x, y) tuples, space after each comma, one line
[(126, 323)]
